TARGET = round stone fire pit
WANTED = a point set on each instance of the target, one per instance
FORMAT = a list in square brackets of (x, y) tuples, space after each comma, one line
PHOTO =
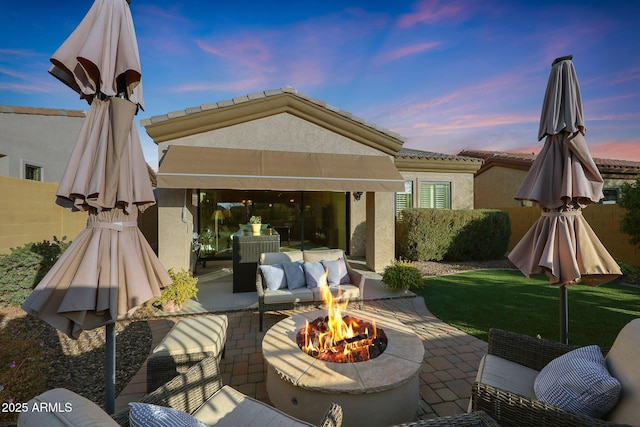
[(376, 392)]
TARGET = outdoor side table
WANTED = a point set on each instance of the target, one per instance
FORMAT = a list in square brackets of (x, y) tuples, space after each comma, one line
[(247, 248)]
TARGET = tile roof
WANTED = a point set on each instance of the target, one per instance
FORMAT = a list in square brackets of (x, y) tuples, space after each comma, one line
[(608, 165), (41, 111), (409, 153), (267, 93)]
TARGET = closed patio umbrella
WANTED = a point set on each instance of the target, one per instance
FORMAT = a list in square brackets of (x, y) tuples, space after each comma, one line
[(109, 270), (562, 181)]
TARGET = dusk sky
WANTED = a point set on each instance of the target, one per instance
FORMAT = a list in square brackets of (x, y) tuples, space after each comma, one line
[(446, 75)]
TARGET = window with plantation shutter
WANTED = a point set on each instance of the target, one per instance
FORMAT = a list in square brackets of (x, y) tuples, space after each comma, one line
[(404, 199), (435, 195)]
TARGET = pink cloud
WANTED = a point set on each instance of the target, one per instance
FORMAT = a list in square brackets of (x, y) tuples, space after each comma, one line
[(250, 51), (618, 150), (406, 51), (239, 86), (430, 11)]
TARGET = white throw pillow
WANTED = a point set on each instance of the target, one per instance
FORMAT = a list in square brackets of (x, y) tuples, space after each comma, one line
[(336, 272), (314, 274), (274, 276), (294, 273), (578, 381), (147, 415)]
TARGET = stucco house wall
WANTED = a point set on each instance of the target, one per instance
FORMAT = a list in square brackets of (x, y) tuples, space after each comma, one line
[(420, 166), (293, 124), (42, 137)]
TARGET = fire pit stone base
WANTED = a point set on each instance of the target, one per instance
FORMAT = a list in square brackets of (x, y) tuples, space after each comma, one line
[(380, 391)]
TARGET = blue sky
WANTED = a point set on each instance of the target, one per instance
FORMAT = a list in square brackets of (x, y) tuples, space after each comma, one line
[(446, 75)]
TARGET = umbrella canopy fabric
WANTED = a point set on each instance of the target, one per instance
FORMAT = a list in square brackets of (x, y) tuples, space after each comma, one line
[(106, 168), (106, 273), (563, 173), (564, 247), (101, 55), (562, 180), (109, 269)]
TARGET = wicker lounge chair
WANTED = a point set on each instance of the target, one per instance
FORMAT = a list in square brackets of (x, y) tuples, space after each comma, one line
[(192, 391), (510, 408), (198, 392), (473, 419)]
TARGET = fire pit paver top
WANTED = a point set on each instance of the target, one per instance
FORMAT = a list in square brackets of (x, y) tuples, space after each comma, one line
[(399, 363)]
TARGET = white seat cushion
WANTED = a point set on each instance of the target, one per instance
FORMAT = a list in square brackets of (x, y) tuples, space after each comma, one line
[(63, 408), (194, 335), (349, 292), (229, 407), (623, 363), (288, 295), (506, 375)]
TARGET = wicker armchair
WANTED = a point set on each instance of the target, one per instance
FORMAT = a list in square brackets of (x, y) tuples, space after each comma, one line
[(473, 419), (510, 409), (189, 391)]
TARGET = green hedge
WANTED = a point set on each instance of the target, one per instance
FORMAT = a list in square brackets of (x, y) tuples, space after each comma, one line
[(23, 268), (452, 235)]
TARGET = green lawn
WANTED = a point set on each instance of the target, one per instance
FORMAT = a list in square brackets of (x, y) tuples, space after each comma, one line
[(479, 300)]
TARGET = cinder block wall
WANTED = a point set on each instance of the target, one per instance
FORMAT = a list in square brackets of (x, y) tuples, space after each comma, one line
[(28, 213)]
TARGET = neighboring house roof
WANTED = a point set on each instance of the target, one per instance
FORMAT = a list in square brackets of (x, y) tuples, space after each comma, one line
[(523, 161), (41, 111), (269, 106), (424, 161)]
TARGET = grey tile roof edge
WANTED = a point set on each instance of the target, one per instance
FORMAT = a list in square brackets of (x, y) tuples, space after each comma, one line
[(419, 154), (267, 93), (530, 157), (41, 111)]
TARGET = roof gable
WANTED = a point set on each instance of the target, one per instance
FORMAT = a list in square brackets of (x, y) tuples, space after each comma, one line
[(238, 110)]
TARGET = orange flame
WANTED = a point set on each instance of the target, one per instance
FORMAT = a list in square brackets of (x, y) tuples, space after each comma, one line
[(340, 336)]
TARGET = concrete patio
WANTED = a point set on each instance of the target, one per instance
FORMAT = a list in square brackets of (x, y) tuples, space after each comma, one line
[(448, 370)]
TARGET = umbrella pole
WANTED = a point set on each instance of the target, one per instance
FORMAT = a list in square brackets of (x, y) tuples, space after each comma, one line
[(110, 368), (564, 315)]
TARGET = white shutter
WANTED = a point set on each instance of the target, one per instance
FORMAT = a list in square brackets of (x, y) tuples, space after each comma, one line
[(435, 195)]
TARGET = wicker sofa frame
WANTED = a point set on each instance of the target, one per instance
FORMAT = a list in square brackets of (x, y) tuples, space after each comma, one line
[(357, 279), (510, 409), (188, 391)]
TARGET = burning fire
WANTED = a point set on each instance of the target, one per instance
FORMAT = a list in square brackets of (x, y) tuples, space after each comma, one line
[(338, 338)]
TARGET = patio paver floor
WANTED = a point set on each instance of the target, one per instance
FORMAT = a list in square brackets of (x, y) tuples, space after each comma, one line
[(448, 371)]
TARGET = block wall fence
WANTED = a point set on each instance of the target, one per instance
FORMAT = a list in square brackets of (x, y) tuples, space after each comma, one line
[(28, 213), (604, 219)]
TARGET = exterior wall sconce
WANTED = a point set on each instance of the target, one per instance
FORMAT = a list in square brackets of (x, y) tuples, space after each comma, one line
[(357, 195)]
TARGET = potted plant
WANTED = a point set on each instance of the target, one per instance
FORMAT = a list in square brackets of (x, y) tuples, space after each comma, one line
[(182, 288), (401, 275), (256, 224)]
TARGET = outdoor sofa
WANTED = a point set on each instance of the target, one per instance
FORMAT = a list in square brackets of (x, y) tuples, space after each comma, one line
[(287, 280), (505, 387), (198, 393)]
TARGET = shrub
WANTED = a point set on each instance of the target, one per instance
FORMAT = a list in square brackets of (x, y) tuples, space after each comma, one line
[(630, 200), (453, 235), (401, 275), (23, 268), (182, 288), (630, 272)]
